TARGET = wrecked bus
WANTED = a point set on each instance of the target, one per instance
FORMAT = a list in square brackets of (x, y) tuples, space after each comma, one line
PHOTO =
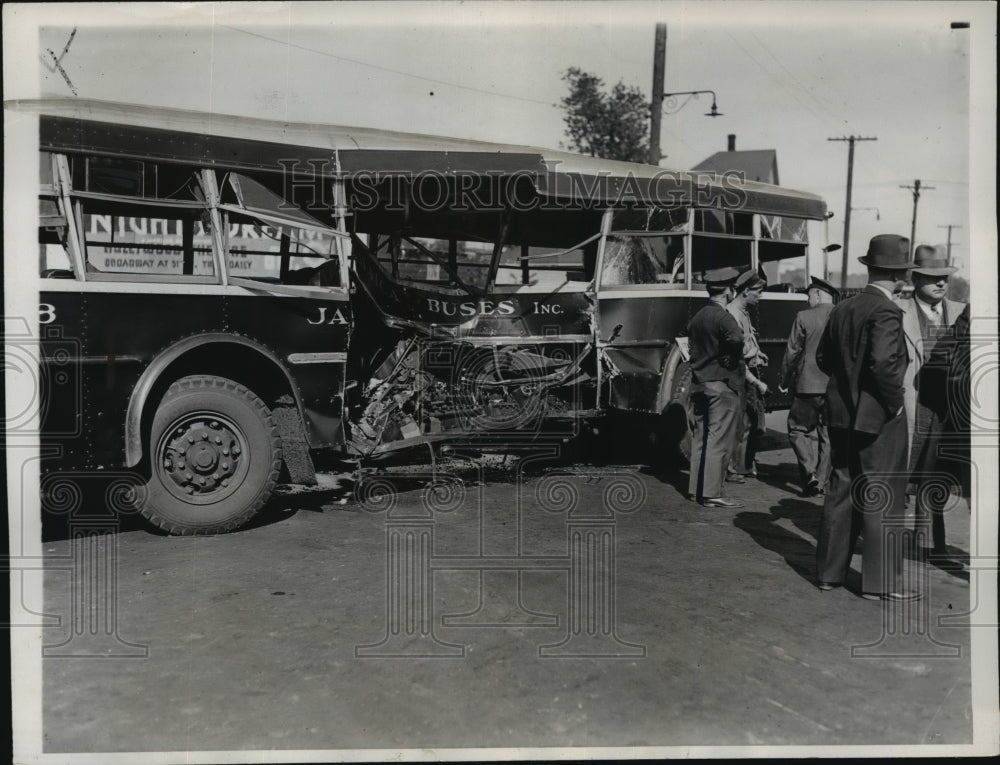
[(223, 299)]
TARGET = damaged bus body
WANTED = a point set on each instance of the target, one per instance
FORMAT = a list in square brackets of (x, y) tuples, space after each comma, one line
[(231, 296)]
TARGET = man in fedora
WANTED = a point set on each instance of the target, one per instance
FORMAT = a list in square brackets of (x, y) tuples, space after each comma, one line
[(807, 416), (717, 375), (927, 316), (864, 352)]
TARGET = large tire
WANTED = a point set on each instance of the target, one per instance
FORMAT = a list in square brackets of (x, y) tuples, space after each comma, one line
[(214, 457), (675, 434)]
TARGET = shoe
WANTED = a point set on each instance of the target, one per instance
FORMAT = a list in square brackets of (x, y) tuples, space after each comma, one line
[(729, 504), (901, 596), (813, 485), (735, 478), (827, 586), (753, 470)]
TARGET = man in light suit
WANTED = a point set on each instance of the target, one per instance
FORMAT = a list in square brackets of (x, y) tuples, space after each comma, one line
[(864, 352), (807, 430), (927, 316)]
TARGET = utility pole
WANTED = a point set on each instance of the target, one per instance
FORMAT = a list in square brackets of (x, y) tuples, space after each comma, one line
[(915, 188), (847, 206), (950, 226), (656, 108)]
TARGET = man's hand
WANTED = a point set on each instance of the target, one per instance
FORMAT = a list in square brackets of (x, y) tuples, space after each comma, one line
[(782, 389), (762, 387), (762, 359)]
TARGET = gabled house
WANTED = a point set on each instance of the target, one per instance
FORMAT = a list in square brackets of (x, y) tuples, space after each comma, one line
[(759, 165)]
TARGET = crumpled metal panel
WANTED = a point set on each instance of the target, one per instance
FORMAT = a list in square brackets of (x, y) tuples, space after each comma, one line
[(432, 389), (633, 376)]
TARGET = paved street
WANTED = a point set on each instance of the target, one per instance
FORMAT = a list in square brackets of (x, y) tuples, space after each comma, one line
[(637, 619)]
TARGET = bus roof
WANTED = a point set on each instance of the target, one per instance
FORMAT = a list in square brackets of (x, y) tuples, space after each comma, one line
[(75, 125)]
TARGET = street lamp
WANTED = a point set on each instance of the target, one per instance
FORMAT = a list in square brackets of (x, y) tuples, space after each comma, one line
[(671, 106), (826, 252)]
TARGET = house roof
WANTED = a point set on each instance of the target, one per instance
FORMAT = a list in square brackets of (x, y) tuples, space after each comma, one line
[(760, 165)]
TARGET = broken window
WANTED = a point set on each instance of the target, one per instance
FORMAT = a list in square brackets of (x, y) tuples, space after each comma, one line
[(636, 260), (543, 266), (450, 264), (270, 240), (721, 238), (672, 219), (53, 255), (781, 251)]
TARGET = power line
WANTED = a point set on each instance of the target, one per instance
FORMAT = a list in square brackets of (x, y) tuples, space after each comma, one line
[(777, 79), (791, 77), (389, 69)]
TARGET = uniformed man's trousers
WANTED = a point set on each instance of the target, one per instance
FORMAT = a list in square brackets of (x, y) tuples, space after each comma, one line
[(749, 428), (713, 413)]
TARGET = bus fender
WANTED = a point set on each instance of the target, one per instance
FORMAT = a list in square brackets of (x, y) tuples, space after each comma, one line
[(671, 367), (148, 379)]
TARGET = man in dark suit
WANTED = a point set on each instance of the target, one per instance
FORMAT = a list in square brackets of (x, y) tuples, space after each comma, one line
[(864, 352), (717, 376), (807, 430)]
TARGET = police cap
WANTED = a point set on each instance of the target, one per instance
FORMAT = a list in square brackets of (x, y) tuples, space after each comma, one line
[(748, 280), (721, 277), (820, 284)]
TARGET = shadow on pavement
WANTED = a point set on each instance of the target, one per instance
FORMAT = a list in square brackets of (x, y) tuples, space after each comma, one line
[(765, 529)]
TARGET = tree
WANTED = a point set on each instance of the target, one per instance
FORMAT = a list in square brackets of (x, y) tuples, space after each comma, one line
[(611, 125)]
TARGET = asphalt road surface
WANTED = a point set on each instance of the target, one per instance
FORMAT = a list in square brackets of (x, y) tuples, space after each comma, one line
[(526, 604)]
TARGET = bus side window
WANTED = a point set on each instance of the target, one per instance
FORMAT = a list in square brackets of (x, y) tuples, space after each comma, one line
[(54, 261), (644, 260), (720, 238), (271, 241), (127, 239), (276, 253), (781, 252)]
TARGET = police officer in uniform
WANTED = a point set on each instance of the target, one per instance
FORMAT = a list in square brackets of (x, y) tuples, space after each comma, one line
[(717, 377)]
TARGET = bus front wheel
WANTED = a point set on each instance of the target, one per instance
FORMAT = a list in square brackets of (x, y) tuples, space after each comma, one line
[(675, 434), (215, 455)]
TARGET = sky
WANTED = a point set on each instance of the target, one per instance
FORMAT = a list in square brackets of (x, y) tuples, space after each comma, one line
[(788, 76)]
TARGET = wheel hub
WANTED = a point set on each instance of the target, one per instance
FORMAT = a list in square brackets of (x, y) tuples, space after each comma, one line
[(202, 454)]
